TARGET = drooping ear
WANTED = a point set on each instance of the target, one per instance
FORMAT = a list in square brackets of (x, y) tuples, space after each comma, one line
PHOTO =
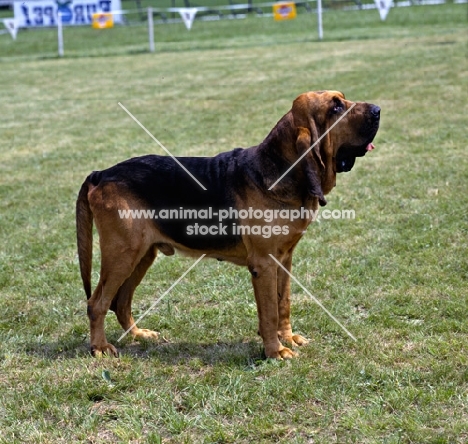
[(302, 111), (315, 144), (309, 164)]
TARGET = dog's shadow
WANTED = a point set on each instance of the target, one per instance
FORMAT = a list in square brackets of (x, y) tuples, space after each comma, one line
[(233, 353), (175, 353)]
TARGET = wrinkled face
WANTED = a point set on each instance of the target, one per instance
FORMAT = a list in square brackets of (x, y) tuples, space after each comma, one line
[(330, 133), (355, 125)]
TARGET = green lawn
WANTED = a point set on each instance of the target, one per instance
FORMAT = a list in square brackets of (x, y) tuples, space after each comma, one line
[(396, 276)]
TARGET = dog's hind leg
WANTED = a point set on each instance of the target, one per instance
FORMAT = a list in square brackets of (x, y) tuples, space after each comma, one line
[(122, 252), (125, 256), (122, 302), (115, 270), (98, 305)]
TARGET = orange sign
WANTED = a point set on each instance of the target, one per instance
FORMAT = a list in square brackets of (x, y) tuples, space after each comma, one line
[(102, 20), (284, 11)]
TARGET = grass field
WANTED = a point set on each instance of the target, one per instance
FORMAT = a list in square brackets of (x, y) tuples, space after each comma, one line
[(396, 276)]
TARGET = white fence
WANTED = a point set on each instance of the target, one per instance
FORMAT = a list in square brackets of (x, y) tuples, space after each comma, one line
[(46, 14)]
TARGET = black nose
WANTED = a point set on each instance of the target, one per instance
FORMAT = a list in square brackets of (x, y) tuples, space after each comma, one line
[(375, 112)]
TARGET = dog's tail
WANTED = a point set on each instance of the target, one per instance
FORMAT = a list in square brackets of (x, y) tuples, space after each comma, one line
[(84, 235)]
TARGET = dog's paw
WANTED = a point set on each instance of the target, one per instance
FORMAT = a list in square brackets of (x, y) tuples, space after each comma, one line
[(144, 333), (106, 349), (293, 340), (286, 353), (299, 340), (283, 353)]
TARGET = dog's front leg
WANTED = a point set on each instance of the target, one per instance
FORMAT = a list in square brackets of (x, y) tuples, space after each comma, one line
[(264, 279), (284, 305)]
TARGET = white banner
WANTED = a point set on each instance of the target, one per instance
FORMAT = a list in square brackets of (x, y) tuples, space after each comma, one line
[(73, 12), (10, 24), (188, 14), (383, 6)]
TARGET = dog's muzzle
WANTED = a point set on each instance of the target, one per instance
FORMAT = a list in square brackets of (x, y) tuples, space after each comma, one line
[(346, 156)]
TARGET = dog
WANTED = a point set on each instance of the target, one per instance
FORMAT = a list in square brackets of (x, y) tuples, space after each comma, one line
[(323, 129)]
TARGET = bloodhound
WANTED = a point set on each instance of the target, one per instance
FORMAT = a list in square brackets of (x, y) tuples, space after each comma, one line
[(237, 180)]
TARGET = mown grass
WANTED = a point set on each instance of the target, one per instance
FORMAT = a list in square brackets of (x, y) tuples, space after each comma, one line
[(396, 276)]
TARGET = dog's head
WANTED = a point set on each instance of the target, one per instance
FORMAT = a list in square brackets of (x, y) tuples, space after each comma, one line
[(338, 131)]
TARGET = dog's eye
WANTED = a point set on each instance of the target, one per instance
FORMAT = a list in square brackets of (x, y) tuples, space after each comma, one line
[(338, 107)]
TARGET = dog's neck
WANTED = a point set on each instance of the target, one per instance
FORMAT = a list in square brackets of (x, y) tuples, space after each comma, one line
[(276, 153), (273, 157), (282, 136)]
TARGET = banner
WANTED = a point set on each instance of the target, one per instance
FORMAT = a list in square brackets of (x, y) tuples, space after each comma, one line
[(383, 6), (188, 15), (103, 20), (284, 11), (73, 12), (10, 24)]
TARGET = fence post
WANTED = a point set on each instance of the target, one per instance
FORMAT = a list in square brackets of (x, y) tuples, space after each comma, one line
[(60, 34), (319, 19), (150, 29)]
